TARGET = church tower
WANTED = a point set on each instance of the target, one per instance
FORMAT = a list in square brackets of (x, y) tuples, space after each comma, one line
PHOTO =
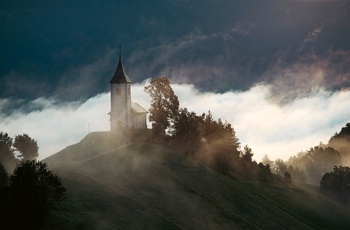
[(120, 115)]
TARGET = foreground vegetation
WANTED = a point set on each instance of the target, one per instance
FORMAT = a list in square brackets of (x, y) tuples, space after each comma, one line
[(28, 195)]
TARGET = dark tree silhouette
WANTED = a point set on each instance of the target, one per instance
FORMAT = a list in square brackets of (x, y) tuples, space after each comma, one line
[(212, 141), (264, 173), (4, 178), (221, 143), (337, 183), (7, 157), (164, 105), (186, 124), (187, 130), (26, 146), (33, 191), (247, 154), (4, 198)]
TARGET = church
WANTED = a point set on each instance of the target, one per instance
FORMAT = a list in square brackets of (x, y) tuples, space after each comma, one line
[(124, 114)]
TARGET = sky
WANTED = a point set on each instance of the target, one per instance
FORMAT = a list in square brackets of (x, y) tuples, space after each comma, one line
[(278, 71)]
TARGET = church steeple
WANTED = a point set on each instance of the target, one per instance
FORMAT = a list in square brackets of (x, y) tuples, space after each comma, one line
[(124, 114), (120, 76)]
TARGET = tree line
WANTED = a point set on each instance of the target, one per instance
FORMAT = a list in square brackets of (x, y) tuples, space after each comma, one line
[(321, 165), (213, 142), (28, 189), (12, 152)]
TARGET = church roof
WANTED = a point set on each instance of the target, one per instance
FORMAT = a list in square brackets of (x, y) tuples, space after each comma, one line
[(136, 108), (120, 76)]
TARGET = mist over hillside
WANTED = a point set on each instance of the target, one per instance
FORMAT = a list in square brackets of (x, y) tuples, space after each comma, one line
[(113, 183)]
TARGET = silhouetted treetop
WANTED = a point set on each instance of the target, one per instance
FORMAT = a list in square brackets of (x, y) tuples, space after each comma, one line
[(164, 104), (247, 154), (7, 157), (34, 191), (26, 146)]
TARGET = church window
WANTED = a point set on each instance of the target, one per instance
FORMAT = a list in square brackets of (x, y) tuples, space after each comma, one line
[(129, 90), (119, 91)]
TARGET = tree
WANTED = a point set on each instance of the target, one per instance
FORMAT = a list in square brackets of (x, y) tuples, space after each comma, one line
[(344, 132), (296, 174), (186, 124), (186, 130), (34, 190), (319, 161), (4, 199), (247, 154), (266, 160), (264, 173), (287, 177), (341, 142), (3, 176), (26, 146), (7, 157), (164, 105), (337, 183), (221, 144), (279, 167)]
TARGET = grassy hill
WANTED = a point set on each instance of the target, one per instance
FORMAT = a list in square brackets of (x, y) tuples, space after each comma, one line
[(113, 183)]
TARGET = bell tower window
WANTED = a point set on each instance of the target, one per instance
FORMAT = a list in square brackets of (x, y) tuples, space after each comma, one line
[(119, 91)]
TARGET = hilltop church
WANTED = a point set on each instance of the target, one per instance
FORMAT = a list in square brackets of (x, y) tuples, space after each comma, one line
[(124, 114)]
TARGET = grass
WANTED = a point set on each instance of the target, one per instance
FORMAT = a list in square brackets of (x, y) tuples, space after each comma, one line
[(148, 186), (91, 145)]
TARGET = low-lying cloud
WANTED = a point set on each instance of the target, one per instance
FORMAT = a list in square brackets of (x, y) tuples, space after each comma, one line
[(279, 130)]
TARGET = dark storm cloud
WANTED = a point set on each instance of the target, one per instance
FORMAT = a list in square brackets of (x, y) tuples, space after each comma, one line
[(62, 49), (79, 81)]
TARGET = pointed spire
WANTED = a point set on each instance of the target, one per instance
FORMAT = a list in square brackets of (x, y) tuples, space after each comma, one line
[(120, 76), (120, 52)]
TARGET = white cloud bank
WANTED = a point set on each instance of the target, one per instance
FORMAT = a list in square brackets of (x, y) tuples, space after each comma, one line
[(279, 131)]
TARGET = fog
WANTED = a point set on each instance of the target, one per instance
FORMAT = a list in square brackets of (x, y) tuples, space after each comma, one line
[(268, 127)]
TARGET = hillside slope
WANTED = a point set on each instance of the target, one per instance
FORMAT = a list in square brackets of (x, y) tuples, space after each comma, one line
[(115, 184)]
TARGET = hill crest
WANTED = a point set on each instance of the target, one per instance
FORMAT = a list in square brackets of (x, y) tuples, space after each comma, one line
[(141, 185)]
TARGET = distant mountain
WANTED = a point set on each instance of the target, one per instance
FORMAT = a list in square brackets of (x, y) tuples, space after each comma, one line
[(113, 183), (67, 49)]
